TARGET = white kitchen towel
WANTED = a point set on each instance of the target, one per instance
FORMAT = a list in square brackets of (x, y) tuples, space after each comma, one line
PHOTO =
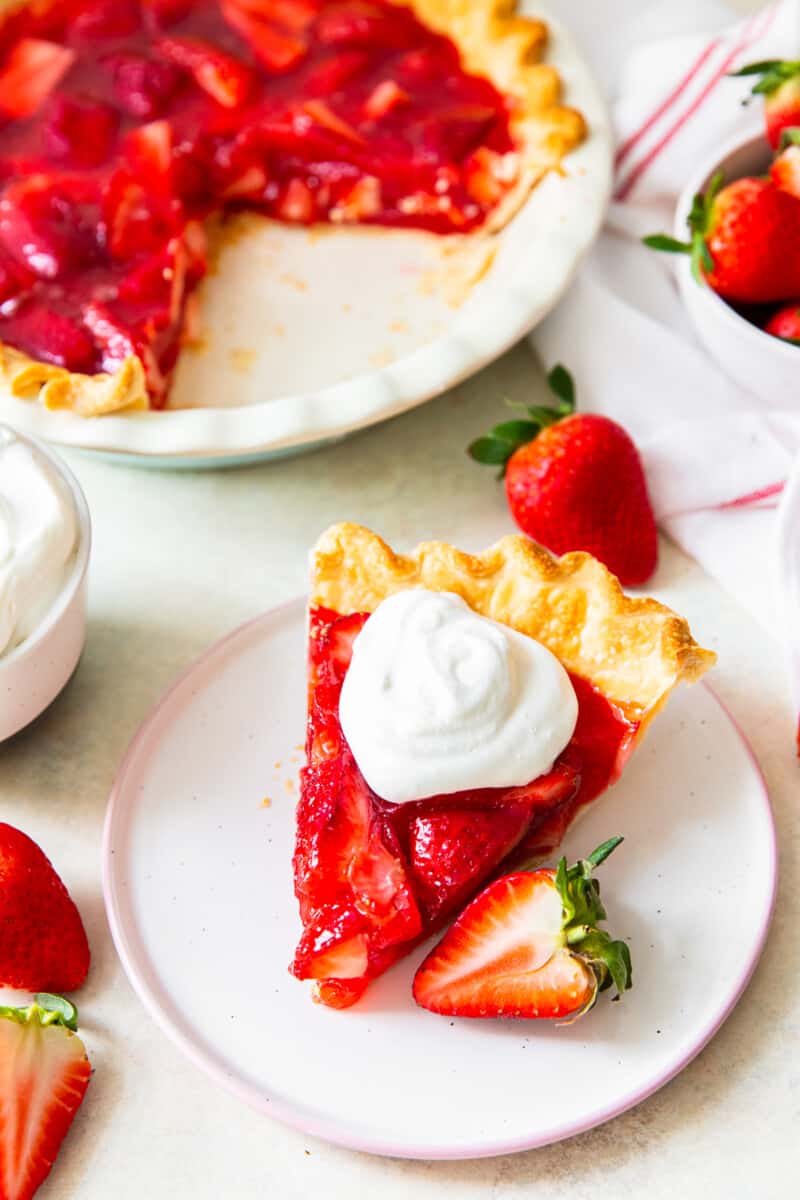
[(717, 457)]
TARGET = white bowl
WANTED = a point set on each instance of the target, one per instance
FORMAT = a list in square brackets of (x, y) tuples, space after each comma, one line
[(759, 362), (35, 671)]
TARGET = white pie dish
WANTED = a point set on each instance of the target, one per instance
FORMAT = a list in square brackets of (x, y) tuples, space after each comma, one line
[(763, 364), (33, 673), (295, 359)]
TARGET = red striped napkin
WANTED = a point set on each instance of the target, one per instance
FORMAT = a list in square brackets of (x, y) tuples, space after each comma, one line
[(718, 459)]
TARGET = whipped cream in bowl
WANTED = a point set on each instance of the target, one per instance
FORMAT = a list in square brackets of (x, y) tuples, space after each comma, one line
[(45, 537), (438, 699)]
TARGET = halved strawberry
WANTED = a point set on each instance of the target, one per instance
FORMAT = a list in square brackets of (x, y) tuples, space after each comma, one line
[(50, 224), (223, 77), (44, 1074), (530, 945), (144, 86), (34, 67), (296, 15), (275, 48)]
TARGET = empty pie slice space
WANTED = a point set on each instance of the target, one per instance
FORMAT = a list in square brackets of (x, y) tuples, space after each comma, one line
[(377, 868), (133, 132)]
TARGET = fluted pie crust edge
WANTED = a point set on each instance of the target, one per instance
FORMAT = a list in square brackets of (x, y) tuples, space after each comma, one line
[(633, 650)]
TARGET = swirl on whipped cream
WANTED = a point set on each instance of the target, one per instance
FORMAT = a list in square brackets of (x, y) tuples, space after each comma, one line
[(438, 699)]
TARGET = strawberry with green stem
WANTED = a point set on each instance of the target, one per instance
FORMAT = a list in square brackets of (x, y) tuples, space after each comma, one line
[(44, 1074), (779, 83), (529, 945), (744, 240), (574, 481)]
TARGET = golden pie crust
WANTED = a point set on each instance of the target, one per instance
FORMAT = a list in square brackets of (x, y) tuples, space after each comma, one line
[(494, 41), (634, 651)]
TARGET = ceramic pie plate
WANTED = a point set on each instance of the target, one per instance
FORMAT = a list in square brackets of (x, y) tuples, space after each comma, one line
[(197, 879), (313, 334)]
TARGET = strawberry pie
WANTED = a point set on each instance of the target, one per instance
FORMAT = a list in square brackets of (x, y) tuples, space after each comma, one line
[(463, 711), (125, 125)]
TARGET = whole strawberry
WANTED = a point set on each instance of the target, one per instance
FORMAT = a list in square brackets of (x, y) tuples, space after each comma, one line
[(43, 944), (785, 323), (779, 83), (574, 481), (745, 240)]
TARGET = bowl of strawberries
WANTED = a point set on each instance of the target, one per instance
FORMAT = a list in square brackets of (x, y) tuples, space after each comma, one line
[(737, 228)]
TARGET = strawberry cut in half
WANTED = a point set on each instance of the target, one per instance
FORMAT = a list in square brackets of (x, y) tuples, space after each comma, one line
[(44, 1074), (529, 946)]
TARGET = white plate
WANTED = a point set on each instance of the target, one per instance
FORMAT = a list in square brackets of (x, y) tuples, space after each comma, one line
[(314, 334), (197, 878)]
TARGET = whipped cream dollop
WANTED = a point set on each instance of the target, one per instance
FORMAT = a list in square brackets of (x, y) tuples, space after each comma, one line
[(438, 699), (38, 538)]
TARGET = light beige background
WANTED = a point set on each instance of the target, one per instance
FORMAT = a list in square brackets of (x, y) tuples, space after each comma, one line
[(181, 559)]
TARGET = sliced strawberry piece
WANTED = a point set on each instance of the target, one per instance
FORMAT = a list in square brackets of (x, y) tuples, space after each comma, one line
[(50, 225), (455, 132), (362, 201), (329, 76), (44, 1074), (160, 14), (54, 338), (489, 175), (297, 203), (223, 77), (276, 49), (529, 945), (358, 23), (33, 69), (385, 98), (321, 112), (296, 15), (453, 849), (106, 19), (144, 86), (115, 340), (80, 130)]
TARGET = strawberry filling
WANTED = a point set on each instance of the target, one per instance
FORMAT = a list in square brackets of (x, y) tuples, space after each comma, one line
[(373, 879), (121, 122)]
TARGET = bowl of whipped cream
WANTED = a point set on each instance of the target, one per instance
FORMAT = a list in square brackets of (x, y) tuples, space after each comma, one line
[(45, 539)]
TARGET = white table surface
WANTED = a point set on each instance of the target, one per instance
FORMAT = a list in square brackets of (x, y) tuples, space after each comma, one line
[(180, 559)]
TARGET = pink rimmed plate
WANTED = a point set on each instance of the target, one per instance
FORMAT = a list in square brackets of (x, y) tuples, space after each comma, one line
[(197, 877)]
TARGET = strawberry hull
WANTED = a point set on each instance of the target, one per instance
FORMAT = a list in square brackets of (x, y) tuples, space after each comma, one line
[(374, 879)]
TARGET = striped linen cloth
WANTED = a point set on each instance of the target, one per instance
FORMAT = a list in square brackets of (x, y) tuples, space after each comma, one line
[(718, 458)]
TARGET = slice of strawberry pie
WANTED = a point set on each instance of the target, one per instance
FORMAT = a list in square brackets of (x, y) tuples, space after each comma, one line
[(462, 712), (125, 125)]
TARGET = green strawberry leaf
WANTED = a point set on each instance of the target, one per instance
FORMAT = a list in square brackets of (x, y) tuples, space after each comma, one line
[(756, 68), (490, 451), (790, 136), (670, 245), (583, 911), (562, 385), (516, 432)]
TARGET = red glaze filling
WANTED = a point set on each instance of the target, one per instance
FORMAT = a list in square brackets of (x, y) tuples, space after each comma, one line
[(372, 878), (123, 123)]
